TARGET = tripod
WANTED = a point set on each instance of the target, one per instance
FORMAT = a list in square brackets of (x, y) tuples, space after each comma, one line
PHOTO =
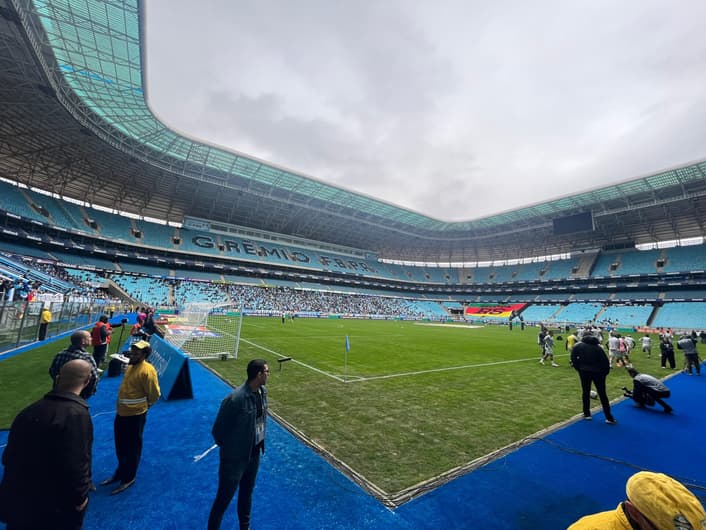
[(120, 338)]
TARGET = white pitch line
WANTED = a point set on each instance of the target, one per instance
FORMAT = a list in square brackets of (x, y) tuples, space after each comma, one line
[(357, 379), (448, 369), (294, 361)]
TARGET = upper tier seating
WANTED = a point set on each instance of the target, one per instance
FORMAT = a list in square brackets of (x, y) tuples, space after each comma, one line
[(12, 200), (560, 269), (692, 258)]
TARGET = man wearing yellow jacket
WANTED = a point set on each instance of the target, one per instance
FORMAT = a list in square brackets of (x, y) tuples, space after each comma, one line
[(654, 501), (138, 391)]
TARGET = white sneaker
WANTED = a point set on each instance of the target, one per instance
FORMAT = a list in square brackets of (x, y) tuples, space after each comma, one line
[(541, 361), (554, 364)]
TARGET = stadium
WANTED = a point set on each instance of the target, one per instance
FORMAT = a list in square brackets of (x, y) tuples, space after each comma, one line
[(405, 389)]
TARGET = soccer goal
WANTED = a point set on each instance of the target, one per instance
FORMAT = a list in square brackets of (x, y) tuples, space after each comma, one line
[(205, 330)]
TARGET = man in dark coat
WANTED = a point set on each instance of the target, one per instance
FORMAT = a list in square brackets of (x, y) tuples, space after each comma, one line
[(591, 362), (48, 457), (239, 431)]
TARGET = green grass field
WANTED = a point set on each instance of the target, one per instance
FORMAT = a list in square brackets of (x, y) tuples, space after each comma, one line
[(417, 401)]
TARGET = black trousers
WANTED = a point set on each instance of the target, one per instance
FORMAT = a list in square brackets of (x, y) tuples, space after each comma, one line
[(644, 396), (232, 475), (598, 380), (668, 356), (99, 353), (43, 330), (692, 359), (68, 519), (128, 445)]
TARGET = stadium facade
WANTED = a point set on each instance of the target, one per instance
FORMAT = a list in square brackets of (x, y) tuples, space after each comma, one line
[(74, 122)]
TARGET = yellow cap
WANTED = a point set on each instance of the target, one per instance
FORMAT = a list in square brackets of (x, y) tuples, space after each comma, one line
[(140, 344), (665, 502)]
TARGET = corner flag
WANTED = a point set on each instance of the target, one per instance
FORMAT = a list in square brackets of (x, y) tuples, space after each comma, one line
[(348, 344)]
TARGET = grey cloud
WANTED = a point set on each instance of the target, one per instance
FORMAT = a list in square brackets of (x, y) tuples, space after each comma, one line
[(457, 109)]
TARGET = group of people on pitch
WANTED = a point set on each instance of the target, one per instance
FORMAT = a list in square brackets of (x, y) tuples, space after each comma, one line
[(589, 359)]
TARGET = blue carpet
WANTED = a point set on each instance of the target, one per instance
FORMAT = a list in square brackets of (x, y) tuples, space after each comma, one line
[(550, 483)]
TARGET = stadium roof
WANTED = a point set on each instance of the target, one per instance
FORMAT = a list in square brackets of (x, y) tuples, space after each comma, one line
[(74, 121)]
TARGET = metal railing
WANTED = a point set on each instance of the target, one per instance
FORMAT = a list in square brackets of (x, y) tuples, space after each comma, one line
[(20, 320)]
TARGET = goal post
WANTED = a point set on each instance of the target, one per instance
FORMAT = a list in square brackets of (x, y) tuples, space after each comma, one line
[(204, 330)]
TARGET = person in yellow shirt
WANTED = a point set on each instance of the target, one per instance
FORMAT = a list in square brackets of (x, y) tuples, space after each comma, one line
[(44, 321), (138, 391), (571, 341), (655, 501)]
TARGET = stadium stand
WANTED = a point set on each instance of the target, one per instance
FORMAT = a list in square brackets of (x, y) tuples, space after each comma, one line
[(281, 241), (686, 294), (14, 201), (114, 227), (679, 259), (155, 235), (23, 250), (579, 313), (638, 262), (531, 272), (189, 292), (151, 291), (626, 316), (541, 313), (639, 296), (560, 269), (60, 212), (681, 315), (554, 297), (592, 295)]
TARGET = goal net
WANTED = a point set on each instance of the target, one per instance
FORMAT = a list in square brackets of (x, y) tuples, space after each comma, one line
[(206, 330)]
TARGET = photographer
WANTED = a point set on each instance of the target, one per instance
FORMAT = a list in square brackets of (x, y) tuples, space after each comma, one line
[(647, 390)]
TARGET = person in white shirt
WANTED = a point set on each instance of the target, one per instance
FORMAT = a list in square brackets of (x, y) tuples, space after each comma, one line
[(647, 345)]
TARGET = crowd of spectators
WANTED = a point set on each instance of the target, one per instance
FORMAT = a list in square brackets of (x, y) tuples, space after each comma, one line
[(165, 292), (286, 299)]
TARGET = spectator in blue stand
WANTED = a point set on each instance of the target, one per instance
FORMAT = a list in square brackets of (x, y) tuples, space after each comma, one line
[(239, 431)]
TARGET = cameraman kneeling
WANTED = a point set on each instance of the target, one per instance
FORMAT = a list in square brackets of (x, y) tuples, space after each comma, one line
[(647, 390)]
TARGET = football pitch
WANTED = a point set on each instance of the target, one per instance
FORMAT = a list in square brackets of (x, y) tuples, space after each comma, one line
[(410, 401)]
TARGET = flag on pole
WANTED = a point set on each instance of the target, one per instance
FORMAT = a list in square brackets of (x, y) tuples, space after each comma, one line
[(348, 344)]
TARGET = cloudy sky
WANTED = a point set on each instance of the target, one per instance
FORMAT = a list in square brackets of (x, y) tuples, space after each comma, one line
[(455, 108)]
